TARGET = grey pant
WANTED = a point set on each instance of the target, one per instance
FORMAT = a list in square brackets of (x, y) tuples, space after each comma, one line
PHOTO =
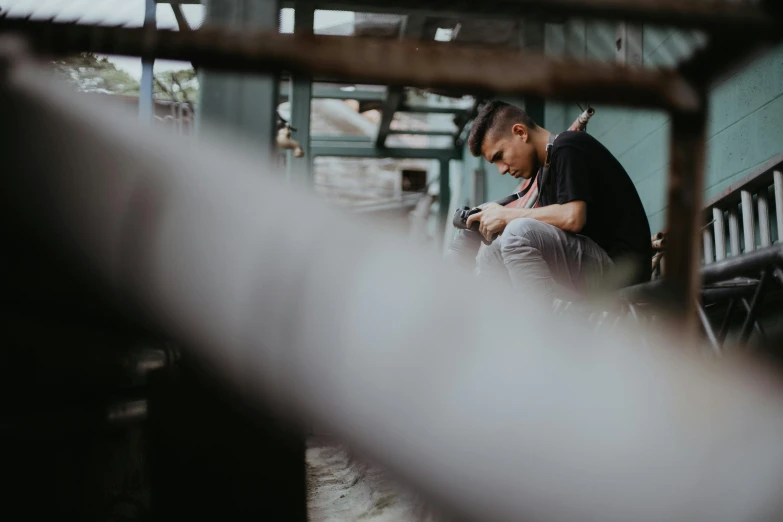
[(534, 256)]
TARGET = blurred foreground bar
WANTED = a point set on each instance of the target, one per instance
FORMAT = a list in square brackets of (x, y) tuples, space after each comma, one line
[(371, 340)]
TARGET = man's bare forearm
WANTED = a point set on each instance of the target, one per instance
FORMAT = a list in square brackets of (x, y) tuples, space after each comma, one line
[(569, 217)]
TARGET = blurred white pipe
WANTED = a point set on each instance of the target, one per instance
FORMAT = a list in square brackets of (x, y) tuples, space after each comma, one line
[(331, 321), (342, 115)]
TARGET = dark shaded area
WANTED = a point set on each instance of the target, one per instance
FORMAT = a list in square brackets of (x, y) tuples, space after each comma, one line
[(75, 388)]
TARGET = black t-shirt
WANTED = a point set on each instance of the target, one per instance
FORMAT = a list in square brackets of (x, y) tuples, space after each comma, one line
[(582, 169)]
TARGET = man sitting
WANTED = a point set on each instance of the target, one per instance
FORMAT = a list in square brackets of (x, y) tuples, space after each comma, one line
[(588, 230)]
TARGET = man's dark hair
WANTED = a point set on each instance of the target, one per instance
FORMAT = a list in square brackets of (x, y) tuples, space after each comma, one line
[(496, 116)]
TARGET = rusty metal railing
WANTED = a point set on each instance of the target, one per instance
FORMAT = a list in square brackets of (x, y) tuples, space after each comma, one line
[(412, 64)]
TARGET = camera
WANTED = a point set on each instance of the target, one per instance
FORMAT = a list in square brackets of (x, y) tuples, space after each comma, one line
[(461, 218)]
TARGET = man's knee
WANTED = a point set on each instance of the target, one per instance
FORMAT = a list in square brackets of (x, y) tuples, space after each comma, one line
[(463, 249), (530, 230), (489, 255), (466, 239)]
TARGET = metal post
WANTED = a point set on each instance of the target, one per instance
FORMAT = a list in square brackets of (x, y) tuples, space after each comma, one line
[(444, 198), (758, 297), (300, 169), (146, 104), (686, 180), (720, 233), (778, 177), (242, 102), (708, 246), (764, 233), (734, 231), (630, 44), (748, 222), (708, 330)]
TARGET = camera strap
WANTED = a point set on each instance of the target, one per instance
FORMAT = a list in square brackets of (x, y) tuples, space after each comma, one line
[(544, 175)]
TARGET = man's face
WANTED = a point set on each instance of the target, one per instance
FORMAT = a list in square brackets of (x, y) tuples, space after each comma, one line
[(512, 152)]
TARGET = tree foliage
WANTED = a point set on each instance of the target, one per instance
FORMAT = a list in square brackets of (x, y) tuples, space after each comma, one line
[(180, 86), (88, 73)]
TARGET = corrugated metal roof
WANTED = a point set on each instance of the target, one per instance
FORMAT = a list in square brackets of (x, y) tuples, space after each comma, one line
[(129, 13)]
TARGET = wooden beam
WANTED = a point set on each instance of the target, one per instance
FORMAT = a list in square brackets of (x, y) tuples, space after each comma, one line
[(684, 216), (420, 64), (716, 16)]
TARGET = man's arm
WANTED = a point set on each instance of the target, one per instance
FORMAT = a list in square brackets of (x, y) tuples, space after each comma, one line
[(574, 193), (571, 217)]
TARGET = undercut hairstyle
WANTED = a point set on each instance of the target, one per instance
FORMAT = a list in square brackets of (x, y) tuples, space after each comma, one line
[(496, 116)]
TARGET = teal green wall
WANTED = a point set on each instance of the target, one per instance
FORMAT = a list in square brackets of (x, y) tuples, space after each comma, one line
[(468, 164), (639, 140), (498, 186), (745, 126)]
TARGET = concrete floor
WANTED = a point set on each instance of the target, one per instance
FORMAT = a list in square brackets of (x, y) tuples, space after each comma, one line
[(342, 488)]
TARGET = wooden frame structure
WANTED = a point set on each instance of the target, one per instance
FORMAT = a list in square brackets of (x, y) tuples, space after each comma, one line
[(735, 29), (191, 251)]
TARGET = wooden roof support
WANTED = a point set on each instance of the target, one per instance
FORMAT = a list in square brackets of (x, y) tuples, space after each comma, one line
[(414, 64), (716, 16)]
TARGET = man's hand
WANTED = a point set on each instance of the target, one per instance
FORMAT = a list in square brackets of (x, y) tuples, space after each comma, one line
[(492, 220)]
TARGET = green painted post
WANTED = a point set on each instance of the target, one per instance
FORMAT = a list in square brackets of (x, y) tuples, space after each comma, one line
[(444, 197), (300, 169), (244, 103), (146, 101)]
